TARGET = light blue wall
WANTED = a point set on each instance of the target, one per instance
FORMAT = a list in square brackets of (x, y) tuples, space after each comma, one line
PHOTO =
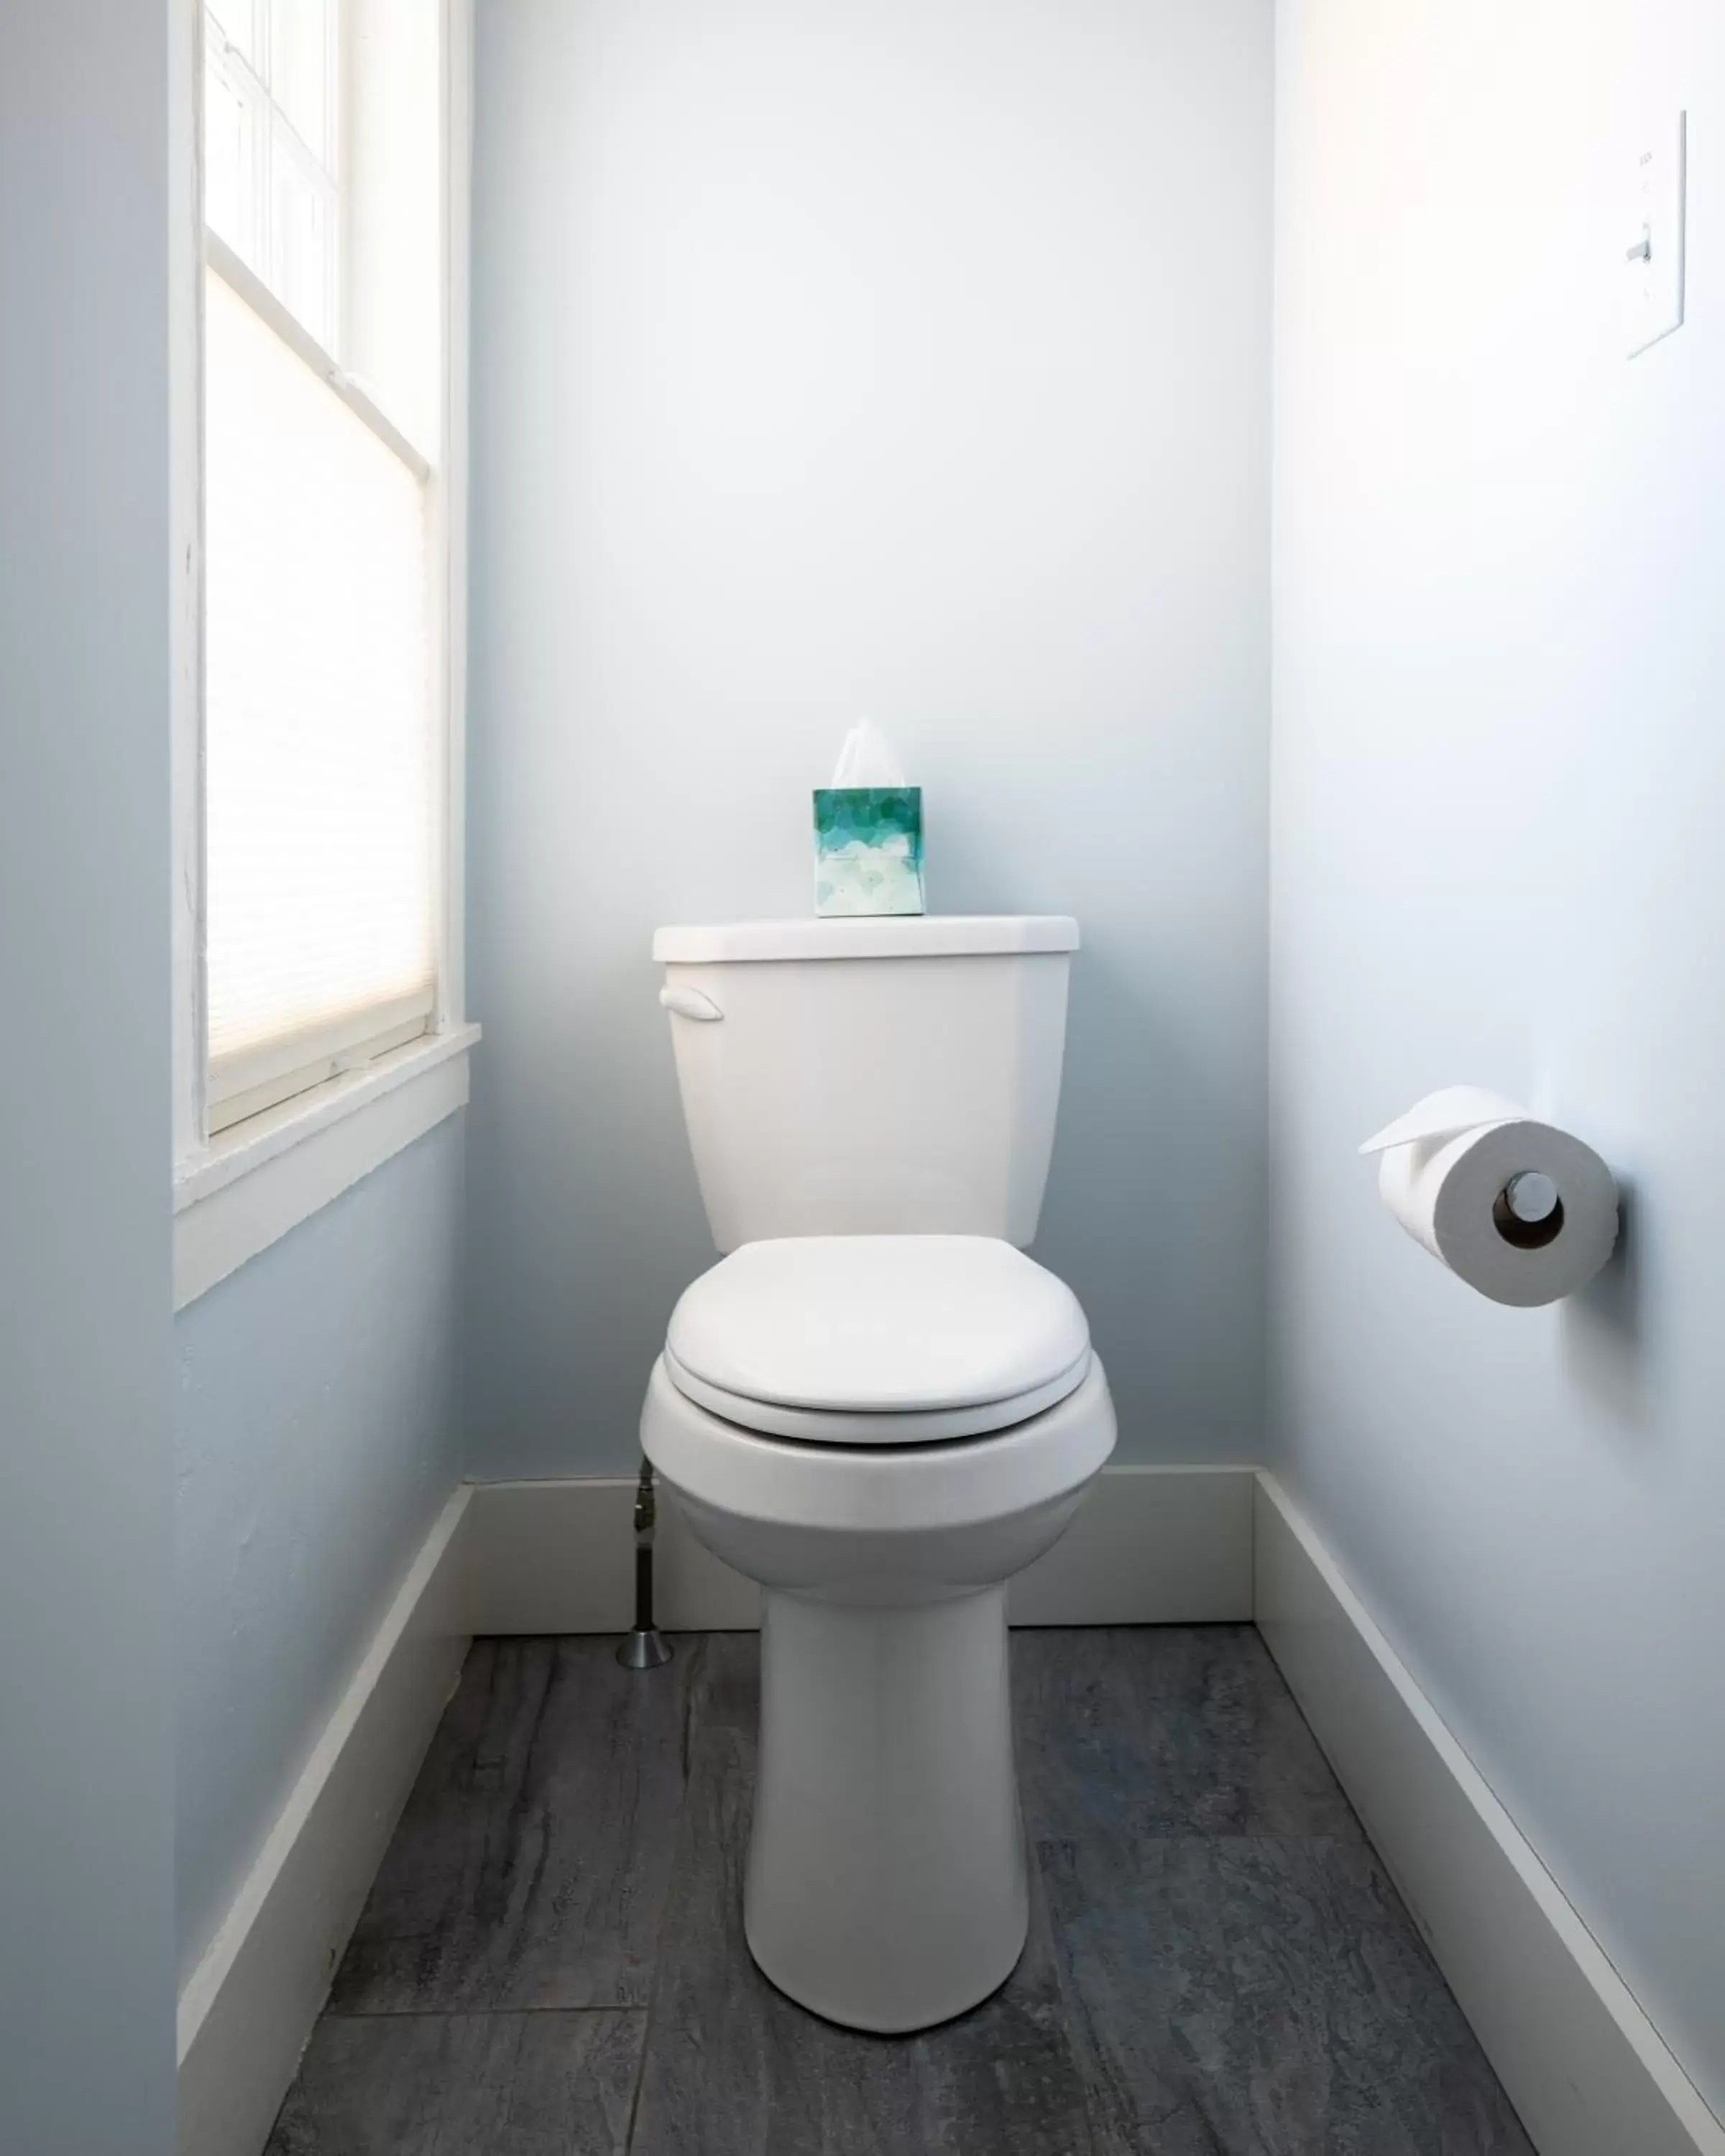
[(868, 357), (86, 1965), (1499, 763), (319, 1438)]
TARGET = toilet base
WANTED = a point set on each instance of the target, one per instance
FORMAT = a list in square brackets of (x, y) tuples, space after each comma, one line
[(887, 1887)]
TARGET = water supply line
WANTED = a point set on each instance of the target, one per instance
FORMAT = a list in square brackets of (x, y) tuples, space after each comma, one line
[(645, 1647)]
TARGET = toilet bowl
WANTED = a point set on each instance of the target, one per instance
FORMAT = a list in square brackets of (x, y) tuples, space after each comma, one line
[(882, 1430)]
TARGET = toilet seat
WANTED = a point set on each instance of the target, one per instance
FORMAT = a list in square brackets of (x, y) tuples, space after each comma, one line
[(907, 1426), (877, 1339)]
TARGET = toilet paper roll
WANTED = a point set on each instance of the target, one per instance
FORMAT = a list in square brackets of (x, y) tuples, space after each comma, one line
[(1517, 1208)]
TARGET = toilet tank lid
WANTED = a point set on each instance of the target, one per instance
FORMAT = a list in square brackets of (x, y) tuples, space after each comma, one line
[(894, 936)]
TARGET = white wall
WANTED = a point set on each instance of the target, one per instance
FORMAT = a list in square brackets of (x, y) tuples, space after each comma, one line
[(86, 1991), (319, 1436), (867, 357), (1499, 767)]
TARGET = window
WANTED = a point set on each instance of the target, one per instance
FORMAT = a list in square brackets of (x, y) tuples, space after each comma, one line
[(323, 364), (320, 308)]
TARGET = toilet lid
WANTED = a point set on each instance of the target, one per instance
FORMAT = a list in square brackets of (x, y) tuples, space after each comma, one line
[(871, 1339)]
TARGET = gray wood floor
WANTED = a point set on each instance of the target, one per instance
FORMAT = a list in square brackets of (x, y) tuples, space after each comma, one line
[(552, 1961)]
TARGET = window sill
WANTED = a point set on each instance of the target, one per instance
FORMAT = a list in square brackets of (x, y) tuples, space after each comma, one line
[(256, 1181)]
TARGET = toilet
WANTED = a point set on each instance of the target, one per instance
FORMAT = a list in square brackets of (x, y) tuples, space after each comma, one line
[(881, 1408)]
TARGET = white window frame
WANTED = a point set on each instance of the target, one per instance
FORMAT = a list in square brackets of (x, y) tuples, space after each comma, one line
[(239, 1190)]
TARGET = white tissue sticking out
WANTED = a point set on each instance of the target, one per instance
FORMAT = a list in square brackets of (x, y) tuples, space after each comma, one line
[(1518, 1209), (1445, 1114), (868, 759)]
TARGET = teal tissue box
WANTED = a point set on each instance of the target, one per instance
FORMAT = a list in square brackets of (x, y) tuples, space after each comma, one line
[(868, 849)]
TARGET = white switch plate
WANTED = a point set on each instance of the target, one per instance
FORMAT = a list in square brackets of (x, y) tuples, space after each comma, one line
[(1653, 237)]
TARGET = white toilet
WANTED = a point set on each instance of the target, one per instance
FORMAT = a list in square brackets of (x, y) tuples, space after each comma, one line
[(879, 1408)]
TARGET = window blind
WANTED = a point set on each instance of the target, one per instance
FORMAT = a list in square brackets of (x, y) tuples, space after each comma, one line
[(321, 799)]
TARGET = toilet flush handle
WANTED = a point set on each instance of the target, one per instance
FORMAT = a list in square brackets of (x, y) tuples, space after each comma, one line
[(689, 1003)]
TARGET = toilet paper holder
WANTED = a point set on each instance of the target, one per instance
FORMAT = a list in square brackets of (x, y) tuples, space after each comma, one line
[(1527, 1212)]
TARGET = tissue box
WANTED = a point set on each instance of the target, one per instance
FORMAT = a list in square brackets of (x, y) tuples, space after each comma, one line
[(868, 849)]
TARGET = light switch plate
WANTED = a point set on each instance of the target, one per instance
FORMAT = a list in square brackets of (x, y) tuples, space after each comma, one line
[(1653, 237)]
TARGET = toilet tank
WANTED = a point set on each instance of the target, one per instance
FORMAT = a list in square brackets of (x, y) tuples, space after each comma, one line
[(866, 1077)]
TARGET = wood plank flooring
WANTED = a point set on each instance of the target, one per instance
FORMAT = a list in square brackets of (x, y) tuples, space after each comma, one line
[(551, 1962)]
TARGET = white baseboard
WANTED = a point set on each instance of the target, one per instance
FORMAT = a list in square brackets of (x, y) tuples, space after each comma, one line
[(1584, 2067), (560, 1557), (1151, 1545), (248, 2008)]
